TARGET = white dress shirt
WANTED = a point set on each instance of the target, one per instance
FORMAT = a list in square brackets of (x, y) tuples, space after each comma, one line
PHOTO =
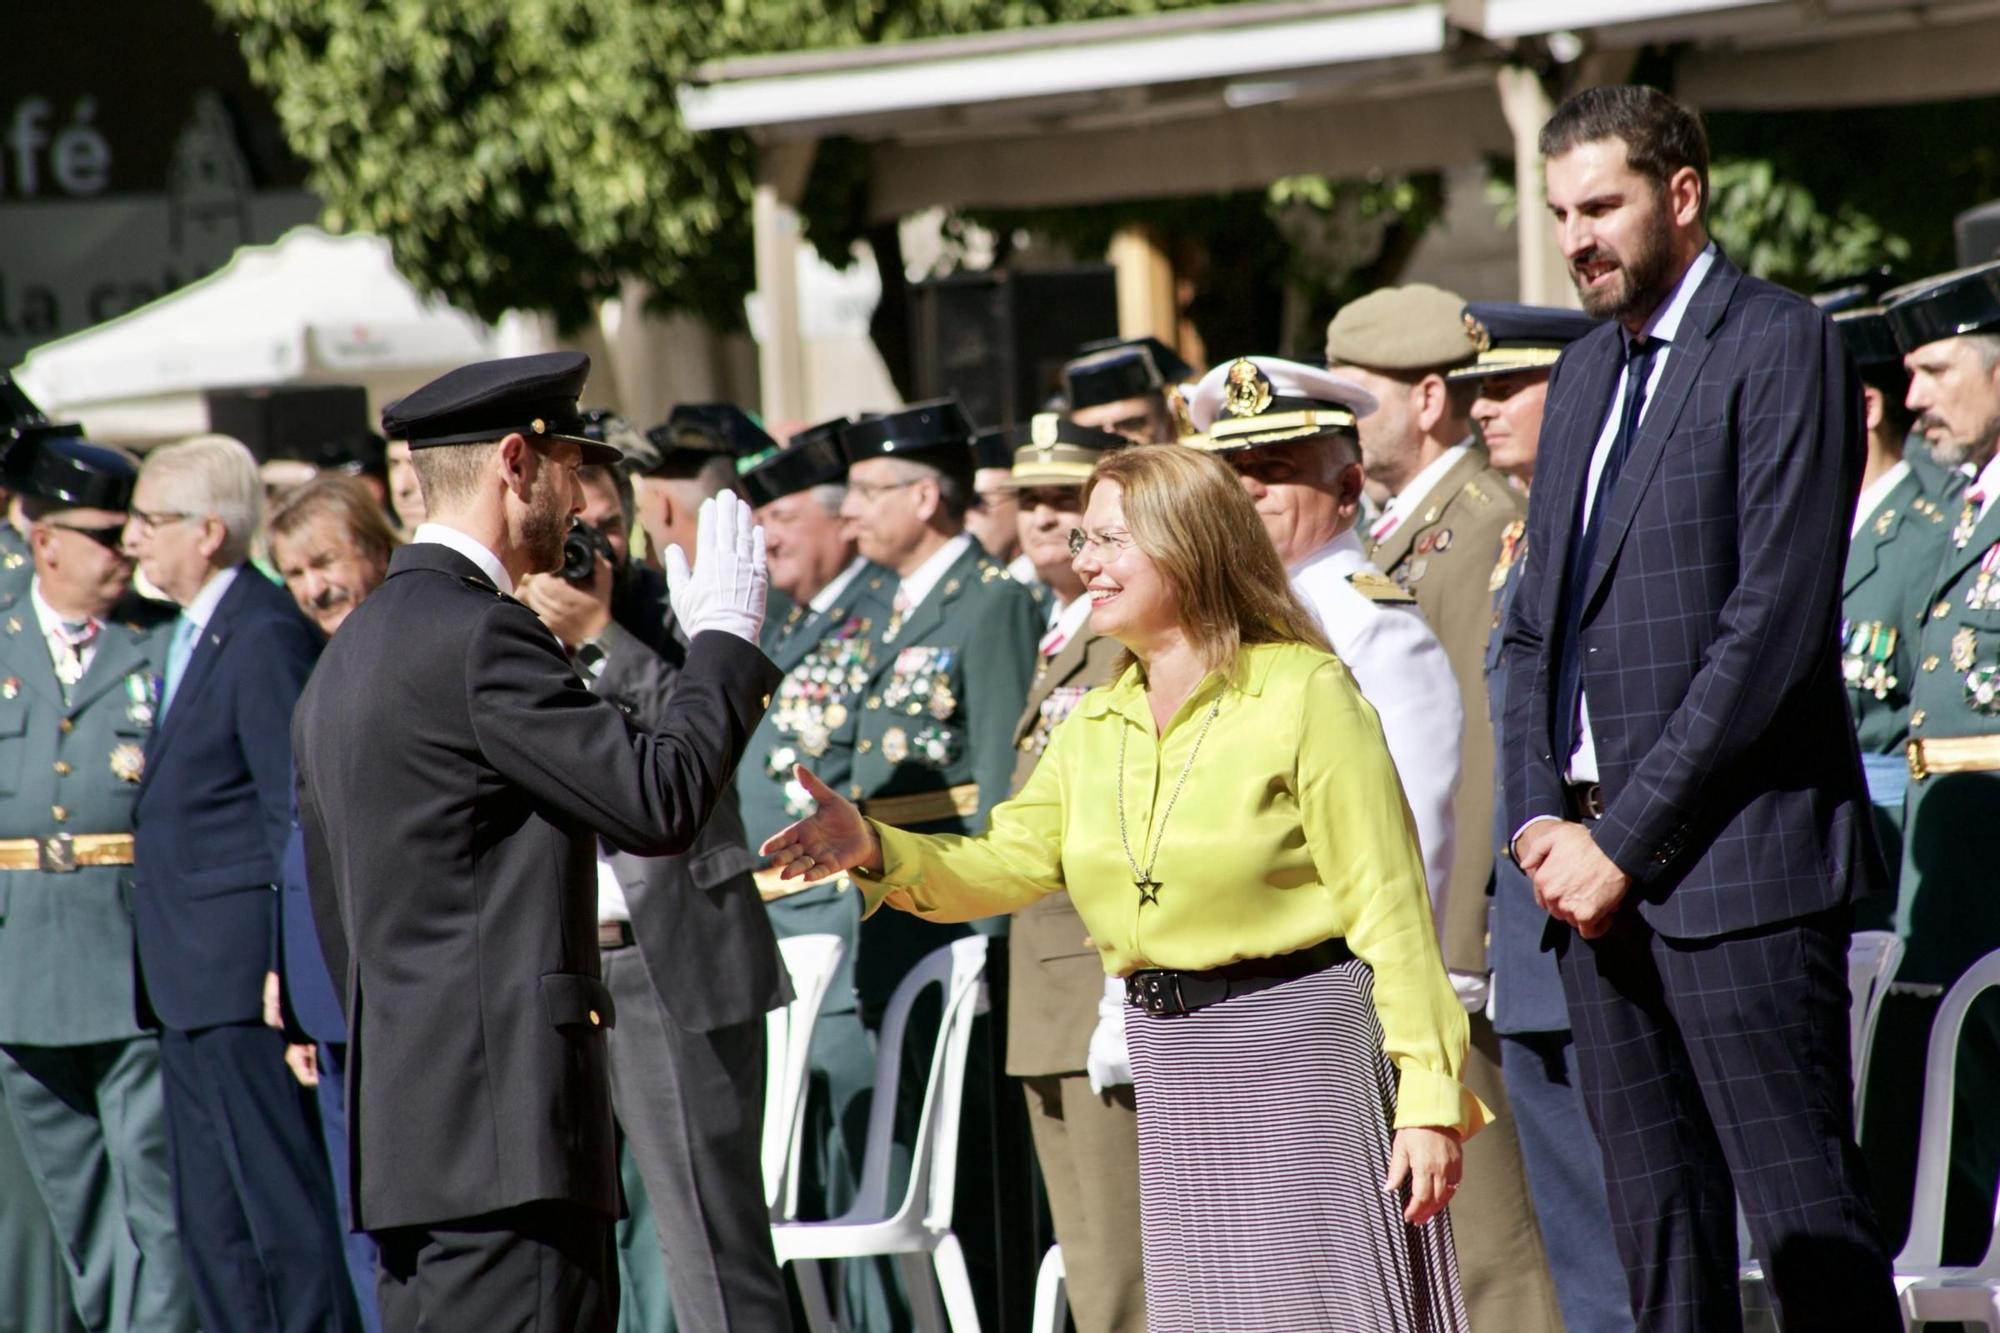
[(1874, 493), (1402, 671), (917, 584), (51, 621), (471, 548)]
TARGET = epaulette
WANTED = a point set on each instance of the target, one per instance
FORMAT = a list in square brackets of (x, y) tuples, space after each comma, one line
[(988, 572), (1381, 588), (1477, 492)]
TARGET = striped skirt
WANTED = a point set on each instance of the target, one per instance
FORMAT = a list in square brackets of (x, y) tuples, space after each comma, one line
[(1263, 1144)]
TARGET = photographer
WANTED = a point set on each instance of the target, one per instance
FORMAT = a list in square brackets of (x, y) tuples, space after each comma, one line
[(688, 950)]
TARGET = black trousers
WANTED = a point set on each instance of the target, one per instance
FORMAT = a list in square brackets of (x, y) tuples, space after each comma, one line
[(540, 1268), (252, 1193), (1719, 1068)]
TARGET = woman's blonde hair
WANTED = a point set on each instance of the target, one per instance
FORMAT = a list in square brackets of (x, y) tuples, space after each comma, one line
[(1188, 513)]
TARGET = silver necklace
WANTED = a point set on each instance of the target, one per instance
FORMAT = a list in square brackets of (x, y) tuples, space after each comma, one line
[(1149, 888)]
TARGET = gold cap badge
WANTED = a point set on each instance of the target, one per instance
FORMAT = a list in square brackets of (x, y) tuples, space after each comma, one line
[(1248, 392), (1476, 331)]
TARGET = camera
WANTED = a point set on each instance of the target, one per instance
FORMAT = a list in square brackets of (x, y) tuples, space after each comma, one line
[(582, 545)]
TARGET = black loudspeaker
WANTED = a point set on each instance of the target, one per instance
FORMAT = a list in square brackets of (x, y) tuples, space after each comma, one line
[(322, 424), (998, 340), (1978, 233)]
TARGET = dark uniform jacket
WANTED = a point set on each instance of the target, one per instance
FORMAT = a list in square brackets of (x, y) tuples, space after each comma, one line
[(1884, 605), (454, 774)]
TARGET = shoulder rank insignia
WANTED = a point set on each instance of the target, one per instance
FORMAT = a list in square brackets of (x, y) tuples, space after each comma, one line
[(1478, 492), (1381, 588), (1884, 521)]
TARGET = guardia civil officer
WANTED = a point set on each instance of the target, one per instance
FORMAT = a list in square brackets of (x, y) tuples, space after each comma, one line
[(455, 776), (1949, 331), (1438, 536), (1121, 385), (1537, 1047), (80, 661)]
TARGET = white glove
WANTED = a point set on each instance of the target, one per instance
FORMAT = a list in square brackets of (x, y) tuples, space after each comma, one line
[(729, 583), (1108, 1062), (1473, 988)]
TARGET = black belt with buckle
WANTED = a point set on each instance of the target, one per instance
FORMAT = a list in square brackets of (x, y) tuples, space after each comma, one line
[(1587, 798), (1158, 991), (615, 935)]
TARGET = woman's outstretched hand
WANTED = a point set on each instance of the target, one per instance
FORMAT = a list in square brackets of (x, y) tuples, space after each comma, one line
[(831, 839)]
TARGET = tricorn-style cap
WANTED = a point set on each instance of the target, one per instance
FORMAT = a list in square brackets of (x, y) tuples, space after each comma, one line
[(938, 428), (1870, 340), (1512, 337), (1055, 451), (1106, 372), (1945, 306), (16, 408), (1855, 291), (53, 462), (1264, 400), (694, 433), (490, 400), (995, 448), (812, 457), (1413, 328)]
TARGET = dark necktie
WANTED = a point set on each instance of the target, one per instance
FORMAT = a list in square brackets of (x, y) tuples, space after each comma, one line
[(1583, 549)]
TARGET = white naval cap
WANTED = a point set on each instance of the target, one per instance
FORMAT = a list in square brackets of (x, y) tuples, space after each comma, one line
[(1265, 399)]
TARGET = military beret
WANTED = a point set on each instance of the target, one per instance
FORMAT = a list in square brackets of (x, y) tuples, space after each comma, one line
[(812, 457), (1870, 340), (1413, 328), (1945, 306), (1115, 369), (1052, 450), (51, 461), (695, 433), (490, 400), (1512, 337), (1257, 400), (937, 432)]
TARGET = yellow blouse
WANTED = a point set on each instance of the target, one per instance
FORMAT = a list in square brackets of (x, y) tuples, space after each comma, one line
[(1291, 829)]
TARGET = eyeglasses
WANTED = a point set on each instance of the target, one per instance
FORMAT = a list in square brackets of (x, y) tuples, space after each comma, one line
[(111, 538), (1109, 545), (146, 522), (870, 490)]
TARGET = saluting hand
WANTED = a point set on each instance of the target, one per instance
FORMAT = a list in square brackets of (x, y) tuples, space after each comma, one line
[(729, 583), (833, 838), (1431, 1160)]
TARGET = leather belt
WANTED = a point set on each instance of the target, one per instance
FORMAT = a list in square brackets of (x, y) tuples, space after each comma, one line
[(1953, 754), (925, 807), (1588, 799), (66, 853), (1159, 991), (615, 935), (771, 888)]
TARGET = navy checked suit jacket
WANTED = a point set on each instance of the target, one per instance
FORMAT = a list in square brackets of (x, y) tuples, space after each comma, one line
[(1730, 772)]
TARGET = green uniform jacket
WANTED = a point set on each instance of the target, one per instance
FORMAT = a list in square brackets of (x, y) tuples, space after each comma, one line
[(814, 715), (1885, 599), (1445, 555), (1946, 909), (936, 751), (66, 952), (1056, 973)]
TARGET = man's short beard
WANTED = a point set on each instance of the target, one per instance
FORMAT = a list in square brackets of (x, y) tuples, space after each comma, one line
[(542, 535), (1647, 277), (1976, 448)]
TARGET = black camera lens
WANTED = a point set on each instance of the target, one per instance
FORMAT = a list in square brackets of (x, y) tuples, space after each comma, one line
[(581, 547)]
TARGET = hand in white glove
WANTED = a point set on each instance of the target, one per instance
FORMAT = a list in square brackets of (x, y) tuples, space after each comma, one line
[(1108, 1062), (728, 586)]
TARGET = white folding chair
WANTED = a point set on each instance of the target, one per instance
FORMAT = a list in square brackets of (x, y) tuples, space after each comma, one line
[(1930, 1289), (1872, 959), (1051, 1295), (916, 1230), (811, 960)]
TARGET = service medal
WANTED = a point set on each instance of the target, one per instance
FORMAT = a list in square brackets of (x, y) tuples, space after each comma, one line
[(1964, 648), (895, 745), (10, 688), (128, 762), (943, 702), (813, 737), (836, 716), (780, 761)]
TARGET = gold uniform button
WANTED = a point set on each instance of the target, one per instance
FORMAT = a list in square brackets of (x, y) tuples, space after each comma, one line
[(595, 1021), (874, 701), (1941, 610), (854, 791), (62, 768), (61, 813), (767, 701), (1917, 718), (1930, 664), (865, 746), (65, 726)]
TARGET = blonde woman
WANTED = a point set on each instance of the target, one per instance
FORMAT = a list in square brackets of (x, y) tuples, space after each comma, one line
[(1229, 824)]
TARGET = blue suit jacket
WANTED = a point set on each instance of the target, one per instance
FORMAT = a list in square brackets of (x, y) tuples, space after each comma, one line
[(311, 1002), (213, 811), (1730, 773)]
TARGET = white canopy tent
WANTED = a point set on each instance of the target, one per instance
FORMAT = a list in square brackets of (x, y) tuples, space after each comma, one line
[(308, 308)]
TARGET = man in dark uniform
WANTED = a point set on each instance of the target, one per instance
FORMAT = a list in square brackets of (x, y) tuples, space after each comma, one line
[(1121, 385), (16, 409), (1081, 1106), (1537, 1048), (695, 455), (79, 1067), (451, 763), (948, 675), (1946, 912)]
